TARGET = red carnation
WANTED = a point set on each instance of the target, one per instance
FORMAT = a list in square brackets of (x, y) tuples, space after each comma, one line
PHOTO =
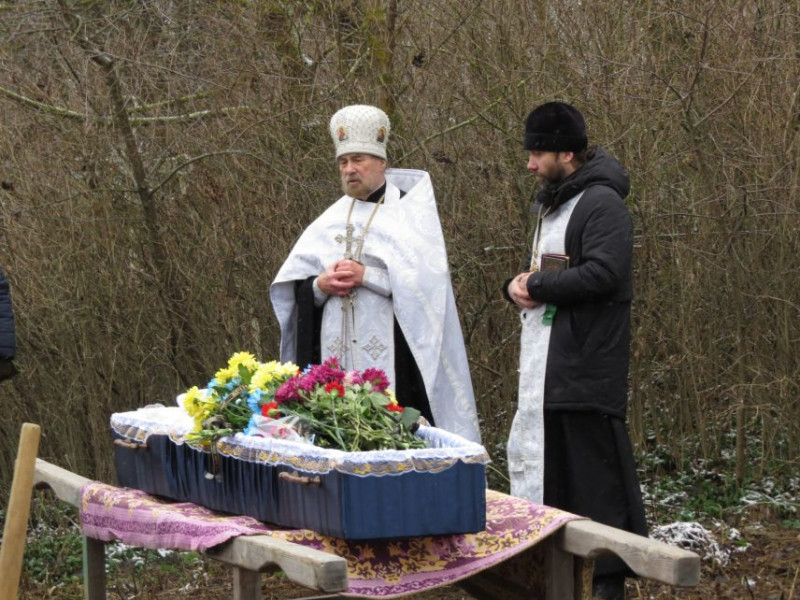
[(268, 408), (335, 386)]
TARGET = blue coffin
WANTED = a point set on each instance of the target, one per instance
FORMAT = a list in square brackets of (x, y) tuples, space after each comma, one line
[(356, 496)]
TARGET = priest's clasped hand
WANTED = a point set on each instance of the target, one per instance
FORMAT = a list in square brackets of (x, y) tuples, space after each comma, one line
[(341, 277), (518, 291)]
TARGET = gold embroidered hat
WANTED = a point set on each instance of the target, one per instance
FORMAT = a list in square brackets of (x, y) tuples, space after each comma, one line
[(360, 129)]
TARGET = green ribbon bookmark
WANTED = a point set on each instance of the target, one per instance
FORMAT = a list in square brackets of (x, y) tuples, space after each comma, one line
[(549, 313)]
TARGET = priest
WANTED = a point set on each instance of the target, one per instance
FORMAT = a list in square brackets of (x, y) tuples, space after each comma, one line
[(368, 281)]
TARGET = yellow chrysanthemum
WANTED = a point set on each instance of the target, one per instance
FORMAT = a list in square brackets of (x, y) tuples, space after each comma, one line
[(264, 374), (270, 372), (224, 375), (286, 370), (392, 397), (192, 401), (243, 359), (198, 423), (199, 406)]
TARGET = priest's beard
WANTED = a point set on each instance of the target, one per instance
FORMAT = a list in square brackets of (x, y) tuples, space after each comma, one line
[(554, 179), (549, 183), (358, 190)]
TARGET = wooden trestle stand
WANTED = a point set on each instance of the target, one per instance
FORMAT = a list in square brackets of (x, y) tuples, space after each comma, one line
[(569, 555)]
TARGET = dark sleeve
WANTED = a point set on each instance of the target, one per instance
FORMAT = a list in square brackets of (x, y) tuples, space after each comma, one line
[(599, 240), (410, 387), (7, 334), (309, 323)]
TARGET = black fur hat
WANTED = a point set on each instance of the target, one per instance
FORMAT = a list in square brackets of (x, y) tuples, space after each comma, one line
[(555, 127)]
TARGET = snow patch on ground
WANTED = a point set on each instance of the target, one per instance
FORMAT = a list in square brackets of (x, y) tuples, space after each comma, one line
[(693, 536)]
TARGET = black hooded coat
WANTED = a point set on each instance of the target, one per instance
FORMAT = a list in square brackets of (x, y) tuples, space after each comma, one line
[(587, 364)]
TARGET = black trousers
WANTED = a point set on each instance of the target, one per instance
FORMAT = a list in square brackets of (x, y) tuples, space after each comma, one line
[(590, 471)]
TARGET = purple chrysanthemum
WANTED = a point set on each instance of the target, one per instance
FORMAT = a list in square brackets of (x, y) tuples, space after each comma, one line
[(322, 374), (288, 391), (377, 377)]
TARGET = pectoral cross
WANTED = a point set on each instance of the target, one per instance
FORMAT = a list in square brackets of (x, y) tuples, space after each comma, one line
[(348, 241), (359, 248)]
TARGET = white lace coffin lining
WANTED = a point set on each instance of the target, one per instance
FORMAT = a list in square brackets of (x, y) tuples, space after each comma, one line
[(444, 449)]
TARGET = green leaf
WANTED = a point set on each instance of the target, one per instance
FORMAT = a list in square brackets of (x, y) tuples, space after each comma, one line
[(245, 374), (379, 400), (409, 416)]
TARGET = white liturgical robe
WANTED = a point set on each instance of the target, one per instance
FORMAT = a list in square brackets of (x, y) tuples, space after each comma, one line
[(408, 278)]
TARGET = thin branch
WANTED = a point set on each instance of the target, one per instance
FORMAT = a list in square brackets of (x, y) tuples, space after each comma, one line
[(76, 116), (470, 121), (45, 108), (200, 114), (200, 157), (139, 108), (730, 97)]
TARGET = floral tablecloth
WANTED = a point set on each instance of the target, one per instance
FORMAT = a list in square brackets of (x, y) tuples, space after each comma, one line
[(385, 569)]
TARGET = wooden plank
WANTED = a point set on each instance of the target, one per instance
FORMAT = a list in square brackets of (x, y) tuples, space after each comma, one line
[(15, 529), (246, 584), (309, 567), (559, 572), (648, 558), (584, 570), (66, 484), (94, 569)]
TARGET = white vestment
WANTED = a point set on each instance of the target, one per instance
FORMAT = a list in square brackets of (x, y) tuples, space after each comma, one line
[(525, 446), (408, 278)]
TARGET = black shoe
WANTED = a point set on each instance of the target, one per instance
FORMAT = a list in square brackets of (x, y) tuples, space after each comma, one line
[(608, 587)]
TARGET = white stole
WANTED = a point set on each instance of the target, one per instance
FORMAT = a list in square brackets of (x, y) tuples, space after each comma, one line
[(526, 440)]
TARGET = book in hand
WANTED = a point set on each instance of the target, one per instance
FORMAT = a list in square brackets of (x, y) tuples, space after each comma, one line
[(555, 262)]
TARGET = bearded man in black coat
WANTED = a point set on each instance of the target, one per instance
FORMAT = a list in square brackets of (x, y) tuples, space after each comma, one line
[(568, 445)]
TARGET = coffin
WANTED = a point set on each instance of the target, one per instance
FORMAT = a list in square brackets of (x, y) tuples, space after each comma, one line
[(436, 490)]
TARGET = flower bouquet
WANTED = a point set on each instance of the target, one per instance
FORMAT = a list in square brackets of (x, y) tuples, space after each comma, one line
[(349, 410), (323, 405)]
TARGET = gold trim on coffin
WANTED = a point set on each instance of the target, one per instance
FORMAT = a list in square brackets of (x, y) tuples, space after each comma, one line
[(310, 464)]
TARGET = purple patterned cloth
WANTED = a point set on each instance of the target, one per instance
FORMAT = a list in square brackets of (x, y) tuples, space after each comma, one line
[(135, 518), (383, 569)]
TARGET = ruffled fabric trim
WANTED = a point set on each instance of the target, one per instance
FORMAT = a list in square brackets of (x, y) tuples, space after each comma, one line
[(444, 449)]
